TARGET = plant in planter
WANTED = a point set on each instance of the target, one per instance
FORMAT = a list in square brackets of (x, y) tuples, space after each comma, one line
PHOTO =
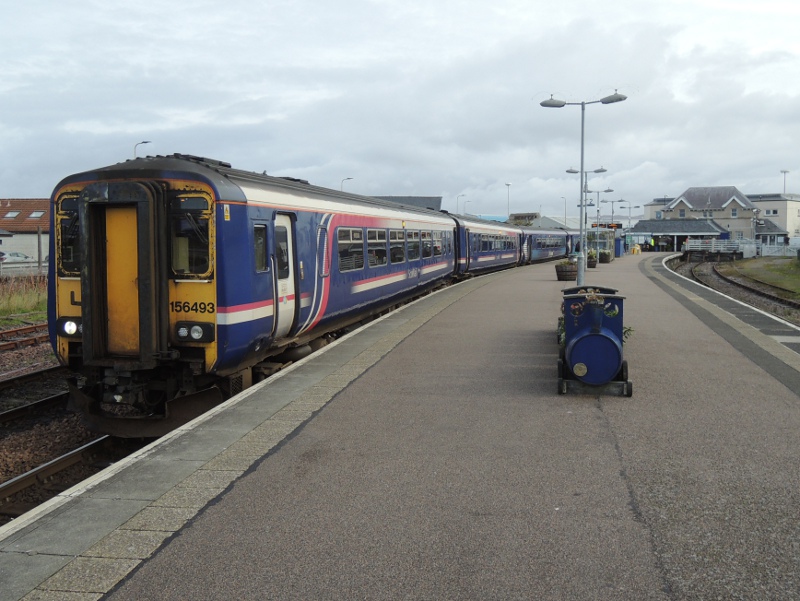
[(605, 256), (566, 271), (591, 259)]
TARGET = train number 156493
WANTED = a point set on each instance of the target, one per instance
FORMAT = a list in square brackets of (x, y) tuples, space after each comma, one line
[(187, 307)]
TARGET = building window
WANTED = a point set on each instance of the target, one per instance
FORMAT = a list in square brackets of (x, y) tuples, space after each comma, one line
[(734, 213), (11, 215), (681, 213), (772, 212), (36, 215)]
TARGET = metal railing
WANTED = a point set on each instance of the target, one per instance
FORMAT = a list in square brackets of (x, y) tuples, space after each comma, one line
[(22, 268)]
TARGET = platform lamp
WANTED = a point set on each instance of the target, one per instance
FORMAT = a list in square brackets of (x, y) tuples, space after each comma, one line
[(135, 146), (557, 104), (582, 205), (341, 184), (629, 213), (457, 197)]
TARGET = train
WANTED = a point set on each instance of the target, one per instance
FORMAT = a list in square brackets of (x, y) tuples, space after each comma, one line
[(179, 281)]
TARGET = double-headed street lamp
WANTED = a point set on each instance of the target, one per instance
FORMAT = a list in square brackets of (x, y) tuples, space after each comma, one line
[(629, 213), (584, 203), (613, 202), (557, 104)]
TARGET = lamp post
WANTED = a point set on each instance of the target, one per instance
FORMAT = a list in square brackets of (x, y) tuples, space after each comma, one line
[(557, 104), (564, 198), (612, 205), (784, 171), (466, 202), (629, 213), (508, 187), (457, 197), (135, 146), (341, 185), (582, 226)]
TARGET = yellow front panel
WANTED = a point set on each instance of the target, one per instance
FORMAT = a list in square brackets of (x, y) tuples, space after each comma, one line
[(122, 280)]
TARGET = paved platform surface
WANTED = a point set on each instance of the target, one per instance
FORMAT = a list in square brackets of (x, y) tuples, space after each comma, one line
[(429, 456)]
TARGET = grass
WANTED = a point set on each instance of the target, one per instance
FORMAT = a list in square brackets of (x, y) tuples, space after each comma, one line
[(23, 301), (777, 271)]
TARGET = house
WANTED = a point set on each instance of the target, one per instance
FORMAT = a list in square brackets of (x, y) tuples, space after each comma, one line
[(25, 226), (781, 209), (707, 212)]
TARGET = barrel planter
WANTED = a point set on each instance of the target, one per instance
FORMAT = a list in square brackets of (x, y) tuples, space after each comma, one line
[(567, 272)]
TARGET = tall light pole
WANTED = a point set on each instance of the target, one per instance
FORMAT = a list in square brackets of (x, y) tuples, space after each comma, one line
[(341, 185), (629, 213), (564, 198), (508, 187), (135, 146), (457, 197), (466, 202), (584, 191), (557, 104), (613, 202), (784, 171)]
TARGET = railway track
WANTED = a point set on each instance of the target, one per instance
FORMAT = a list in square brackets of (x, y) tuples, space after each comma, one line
[(42, 476), (17, 338), (764, 296)]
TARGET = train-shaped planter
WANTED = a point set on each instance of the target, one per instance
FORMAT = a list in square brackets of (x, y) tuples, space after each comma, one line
[(591, 335)]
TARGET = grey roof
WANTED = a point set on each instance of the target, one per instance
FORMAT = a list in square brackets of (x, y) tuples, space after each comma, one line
[(767, 227), (714, 198), (5, 233), (423, 202), (678, 227)]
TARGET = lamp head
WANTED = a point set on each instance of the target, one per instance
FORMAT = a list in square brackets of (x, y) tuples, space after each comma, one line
[(553, 103), (615, 97)]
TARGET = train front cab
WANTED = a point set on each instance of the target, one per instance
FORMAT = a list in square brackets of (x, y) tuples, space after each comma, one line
[(134, 299)]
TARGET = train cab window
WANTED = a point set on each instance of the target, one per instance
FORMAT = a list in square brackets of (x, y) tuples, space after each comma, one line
[(413, 245), (351, 249), (189, 233), (68, 236), (282, 252), (397, 246), (260, 247), (376, 248), (427, 245)]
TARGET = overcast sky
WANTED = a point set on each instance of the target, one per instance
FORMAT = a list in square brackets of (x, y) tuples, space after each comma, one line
[(410, 97)]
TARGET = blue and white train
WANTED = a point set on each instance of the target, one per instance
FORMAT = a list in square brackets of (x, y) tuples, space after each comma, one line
[(178, 280)]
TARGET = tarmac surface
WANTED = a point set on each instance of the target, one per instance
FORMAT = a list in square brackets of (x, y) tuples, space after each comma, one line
[(429, 456)]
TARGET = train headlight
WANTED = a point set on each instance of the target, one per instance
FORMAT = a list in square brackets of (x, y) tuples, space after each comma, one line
[(70, 327), (187, 331)]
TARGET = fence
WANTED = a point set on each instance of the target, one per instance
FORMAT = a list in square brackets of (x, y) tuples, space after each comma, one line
[(11, 269)]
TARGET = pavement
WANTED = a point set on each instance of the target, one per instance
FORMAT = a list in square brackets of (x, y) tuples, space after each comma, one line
[(429, 456)]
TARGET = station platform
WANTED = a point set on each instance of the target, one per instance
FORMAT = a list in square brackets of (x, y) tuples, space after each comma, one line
[(430, 456)]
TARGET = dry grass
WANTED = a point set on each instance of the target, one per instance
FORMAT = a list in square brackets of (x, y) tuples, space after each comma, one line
[(23, 300)]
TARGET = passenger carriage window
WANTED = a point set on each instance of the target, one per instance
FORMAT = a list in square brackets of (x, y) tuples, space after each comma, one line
[(397, 246), (189, 223), (260, 247), (427, 245), (413, 245), (282, 252), (323, 258), (68, 235), (376, 248), (351, 249), (437, 244)]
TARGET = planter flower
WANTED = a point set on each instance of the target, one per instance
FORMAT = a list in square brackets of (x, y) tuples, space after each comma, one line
[(591, 259), (605, 256), (567, 271)]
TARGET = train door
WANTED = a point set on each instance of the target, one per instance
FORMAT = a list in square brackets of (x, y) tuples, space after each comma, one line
[(122, 277), (284, 282)]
